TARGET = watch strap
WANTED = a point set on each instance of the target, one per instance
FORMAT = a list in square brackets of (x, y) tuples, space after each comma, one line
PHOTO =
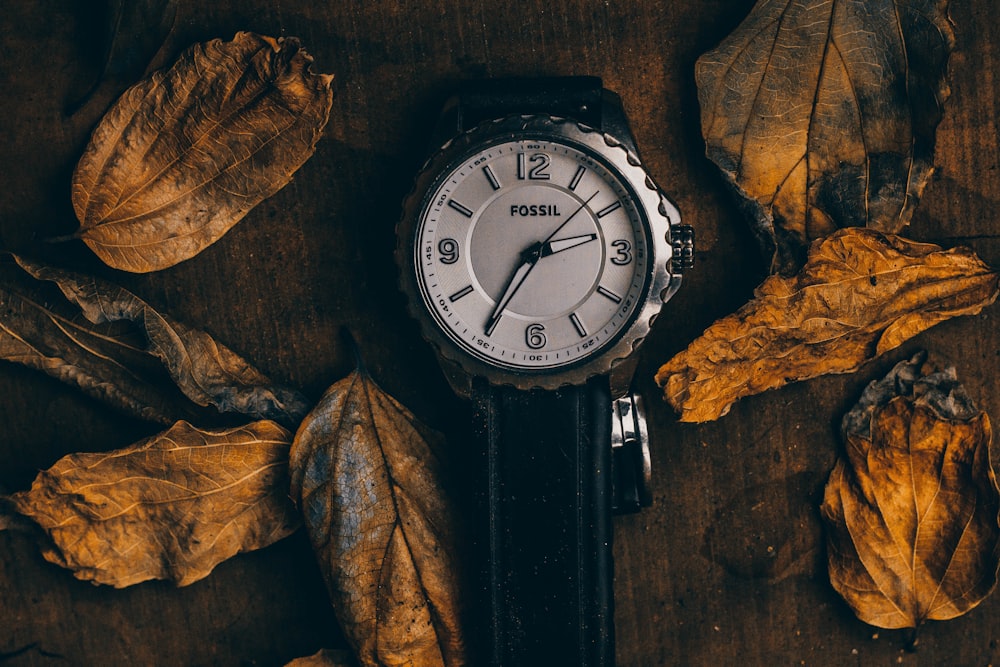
[(549, 498), (576, 97)]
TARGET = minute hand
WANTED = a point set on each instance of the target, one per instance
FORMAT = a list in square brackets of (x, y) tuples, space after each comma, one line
[(513, 285)]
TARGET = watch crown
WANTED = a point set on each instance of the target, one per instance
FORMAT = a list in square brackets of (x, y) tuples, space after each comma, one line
[(682, 240)]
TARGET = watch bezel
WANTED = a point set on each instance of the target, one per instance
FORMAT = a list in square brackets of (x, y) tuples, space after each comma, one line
[(658, 212)]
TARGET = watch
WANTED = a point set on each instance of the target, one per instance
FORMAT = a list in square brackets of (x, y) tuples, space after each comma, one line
[(535, 252)]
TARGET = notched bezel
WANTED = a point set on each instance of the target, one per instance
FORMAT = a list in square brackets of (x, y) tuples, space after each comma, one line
[(461, 366)]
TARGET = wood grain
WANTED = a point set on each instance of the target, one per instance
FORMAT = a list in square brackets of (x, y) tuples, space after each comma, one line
[(724, 569)]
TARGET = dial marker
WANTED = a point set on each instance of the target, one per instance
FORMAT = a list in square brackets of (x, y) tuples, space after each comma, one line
[(578, 325), (608, 209), (580, 171), (461, 208), (491, 177), (460, 293), (605, 292)]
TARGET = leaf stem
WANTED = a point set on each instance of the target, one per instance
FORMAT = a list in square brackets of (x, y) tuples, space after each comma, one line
[(62, 239), (352, 344)]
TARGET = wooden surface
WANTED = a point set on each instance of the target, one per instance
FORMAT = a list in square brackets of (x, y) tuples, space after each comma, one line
[(727, 567)]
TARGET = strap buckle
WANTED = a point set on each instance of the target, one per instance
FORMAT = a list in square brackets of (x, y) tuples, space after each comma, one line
[(630, 460)]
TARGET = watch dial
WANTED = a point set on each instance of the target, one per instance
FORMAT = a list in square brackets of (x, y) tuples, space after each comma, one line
[(532, 254)]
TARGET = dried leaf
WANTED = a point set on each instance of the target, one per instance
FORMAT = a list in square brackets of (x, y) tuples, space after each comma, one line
[(912, 507), (860, 294), (108, 362), (207, 372), (170, 507), (185, 154), (369, 483), (822, 115)]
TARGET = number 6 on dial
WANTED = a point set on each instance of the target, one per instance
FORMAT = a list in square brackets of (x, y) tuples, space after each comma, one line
[(534, 336)]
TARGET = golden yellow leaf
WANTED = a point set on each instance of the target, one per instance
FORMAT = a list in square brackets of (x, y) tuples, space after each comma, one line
[(822, 115), (170, 507), (185, 154), (369, 481), (912, 506), (860, 294)]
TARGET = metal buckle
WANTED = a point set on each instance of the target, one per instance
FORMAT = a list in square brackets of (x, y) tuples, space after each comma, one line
[(631, 465)]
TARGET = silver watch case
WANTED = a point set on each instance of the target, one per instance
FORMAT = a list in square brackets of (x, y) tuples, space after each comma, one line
[(661, 214)]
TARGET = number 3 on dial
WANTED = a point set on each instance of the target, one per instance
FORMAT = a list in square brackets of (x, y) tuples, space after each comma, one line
[(624, 255)]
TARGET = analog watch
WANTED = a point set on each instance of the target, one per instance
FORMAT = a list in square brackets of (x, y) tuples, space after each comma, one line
[(536, 251)]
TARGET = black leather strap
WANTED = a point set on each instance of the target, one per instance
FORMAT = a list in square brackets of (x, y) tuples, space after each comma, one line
[(549, 458), (549, 499), (577, 97)]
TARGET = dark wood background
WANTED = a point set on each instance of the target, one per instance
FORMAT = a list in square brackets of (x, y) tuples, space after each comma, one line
[(726, 568)]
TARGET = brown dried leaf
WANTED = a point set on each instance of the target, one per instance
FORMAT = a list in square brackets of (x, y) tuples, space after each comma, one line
[(860, 294), (170, 507), (186, 153), (207, 372), (912, 507), (822, 115), (108, 361), (369, 483)]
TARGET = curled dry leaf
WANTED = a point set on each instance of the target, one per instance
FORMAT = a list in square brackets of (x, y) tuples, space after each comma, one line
[(912, 506), (186, 153), (860, 294), (822, 115), (170, 507), (108, 361), (368, 479), (207, 372)]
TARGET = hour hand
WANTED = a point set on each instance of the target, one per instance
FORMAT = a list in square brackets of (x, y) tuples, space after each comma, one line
[(558, 245)]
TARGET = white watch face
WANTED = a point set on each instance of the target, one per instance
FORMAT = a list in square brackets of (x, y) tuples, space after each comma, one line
[(532, 254)]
